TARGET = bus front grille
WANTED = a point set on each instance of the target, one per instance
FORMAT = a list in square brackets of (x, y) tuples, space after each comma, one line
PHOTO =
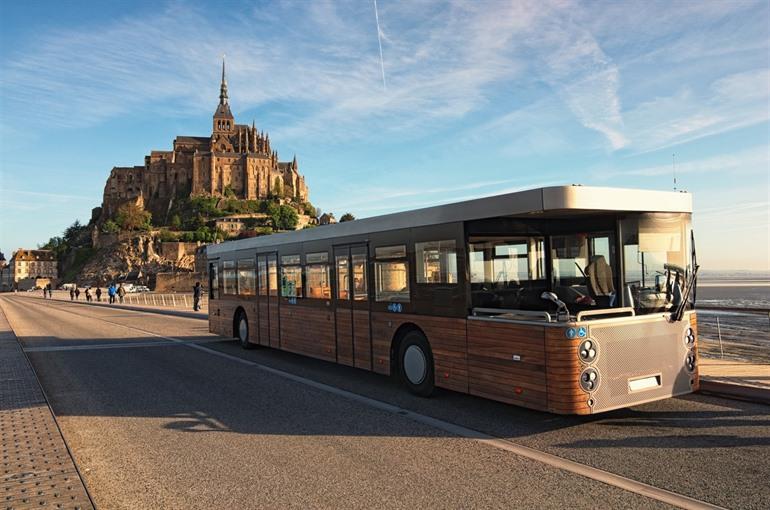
[(639, 362)]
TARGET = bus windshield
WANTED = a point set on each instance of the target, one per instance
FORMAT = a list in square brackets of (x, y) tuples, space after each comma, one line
[(656, 259)]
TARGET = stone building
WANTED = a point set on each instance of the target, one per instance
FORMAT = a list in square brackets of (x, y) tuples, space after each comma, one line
[(236, 158), (33, 264)]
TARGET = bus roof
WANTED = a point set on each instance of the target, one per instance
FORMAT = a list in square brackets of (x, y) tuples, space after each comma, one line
[(532, 203)]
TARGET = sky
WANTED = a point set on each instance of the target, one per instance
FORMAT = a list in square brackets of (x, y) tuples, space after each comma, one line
[(426, 103)]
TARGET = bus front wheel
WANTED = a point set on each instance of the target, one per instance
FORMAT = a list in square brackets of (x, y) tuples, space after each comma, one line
[(416, 364), (242, 329)]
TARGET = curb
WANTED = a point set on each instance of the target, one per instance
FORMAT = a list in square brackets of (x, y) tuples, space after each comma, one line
[(735, 391)]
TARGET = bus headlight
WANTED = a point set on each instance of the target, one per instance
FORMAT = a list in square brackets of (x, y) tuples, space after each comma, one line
[(587, 350), (689, 337), (690, 362), (589, 379)]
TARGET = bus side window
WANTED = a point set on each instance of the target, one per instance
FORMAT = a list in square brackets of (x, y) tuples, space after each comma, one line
[(213, 281), (436, 262), (391, 274), (291, 276), (246, 277), (262, 266), (229, 278), (343, 277), (359, 277), (317, 275)]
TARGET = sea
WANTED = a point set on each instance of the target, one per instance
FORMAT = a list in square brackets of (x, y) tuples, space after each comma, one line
[(734, 315)]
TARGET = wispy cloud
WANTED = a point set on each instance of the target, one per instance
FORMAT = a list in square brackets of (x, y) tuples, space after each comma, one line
[(753, 160)]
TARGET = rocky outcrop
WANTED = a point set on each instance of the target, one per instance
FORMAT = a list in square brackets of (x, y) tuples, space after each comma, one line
[(133, 257)]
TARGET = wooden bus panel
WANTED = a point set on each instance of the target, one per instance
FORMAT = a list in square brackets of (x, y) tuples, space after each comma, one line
[(494, 373), (264, 321), (384, 326), (696, 375), (274, 322), (297, 321), (344, 326), (362, 339), (564, 367), (446, 337)]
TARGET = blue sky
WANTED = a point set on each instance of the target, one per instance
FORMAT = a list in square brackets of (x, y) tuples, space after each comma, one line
[(479, 98)]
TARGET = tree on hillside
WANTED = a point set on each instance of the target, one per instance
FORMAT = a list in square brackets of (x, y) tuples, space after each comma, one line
[(132, 217), (283, 217), (347, 217), (110, 227)]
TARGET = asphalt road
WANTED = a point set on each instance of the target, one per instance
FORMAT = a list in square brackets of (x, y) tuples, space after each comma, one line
[(160, 414)]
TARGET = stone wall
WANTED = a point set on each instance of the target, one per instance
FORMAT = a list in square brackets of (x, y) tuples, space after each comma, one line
[(179, 282), (175, 250)]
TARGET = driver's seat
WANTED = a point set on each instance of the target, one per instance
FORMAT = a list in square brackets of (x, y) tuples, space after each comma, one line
[(600, 281)]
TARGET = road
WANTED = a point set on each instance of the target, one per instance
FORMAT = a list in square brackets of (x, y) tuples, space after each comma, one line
[(158, 413)]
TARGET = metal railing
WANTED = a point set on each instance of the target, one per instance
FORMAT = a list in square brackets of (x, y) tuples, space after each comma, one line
[(179, 300)]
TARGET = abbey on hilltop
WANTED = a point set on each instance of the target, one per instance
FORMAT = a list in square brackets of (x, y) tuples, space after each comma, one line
[(236, 161)]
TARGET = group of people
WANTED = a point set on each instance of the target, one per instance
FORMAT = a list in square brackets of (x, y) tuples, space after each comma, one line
[(114, 293), (48, 292)]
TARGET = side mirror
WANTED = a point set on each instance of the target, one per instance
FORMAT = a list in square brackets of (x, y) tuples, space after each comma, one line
[(561, 308), (550, 296)]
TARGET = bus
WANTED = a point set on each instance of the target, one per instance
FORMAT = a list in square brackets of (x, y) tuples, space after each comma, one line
[(566, 299)]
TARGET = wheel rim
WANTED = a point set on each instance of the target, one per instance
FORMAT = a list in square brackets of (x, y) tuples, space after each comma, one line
[(415, 364), (243, 330)]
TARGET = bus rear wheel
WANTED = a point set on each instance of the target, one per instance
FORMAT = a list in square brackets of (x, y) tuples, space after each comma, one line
[(416, 364), (242, 330)]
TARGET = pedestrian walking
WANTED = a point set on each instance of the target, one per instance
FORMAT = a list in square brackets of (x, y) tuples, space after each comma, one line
[(50, 291), (88, 294), (99, 294), (45, 291), (77, 294), (72, 293), (111, 293), (121, 292), (197, 291)]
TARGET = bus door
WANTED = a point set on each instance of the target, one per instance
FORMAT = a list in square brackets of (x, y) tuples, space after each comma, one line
[(267, 267), (351, 300)]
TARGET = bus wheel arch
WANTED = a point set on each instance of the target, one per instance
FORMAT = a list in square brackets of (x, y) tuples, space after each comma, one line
[(411, 357), (241, 327)]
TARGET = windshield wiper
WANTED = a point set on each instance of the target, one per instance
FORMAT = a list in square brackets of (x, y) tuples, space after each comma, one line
[(677, 314)]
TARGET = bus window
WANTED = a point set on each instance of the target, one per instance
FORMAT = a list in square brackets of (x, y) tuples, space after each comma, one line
[(246, 277), (291, 277), (436, 262), (343, 277), (391, 274), (655, 258), (582, 269), (359, 277), (262, 266), (213, 281), (507, 272), (317, 273), (229, 278), (272, 274)]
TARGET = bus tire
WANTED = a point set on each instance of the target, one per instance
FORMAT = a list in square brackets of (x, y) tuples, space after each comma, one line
[(242, 329), (415, 362)]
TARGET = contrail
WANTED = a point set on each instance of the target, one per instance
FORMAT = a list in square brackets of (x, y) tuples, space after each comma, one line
[(379, 41)]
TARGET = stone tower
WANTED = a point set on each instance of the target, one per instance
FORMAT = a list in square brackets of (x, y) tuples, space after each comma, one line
[(223, 125)]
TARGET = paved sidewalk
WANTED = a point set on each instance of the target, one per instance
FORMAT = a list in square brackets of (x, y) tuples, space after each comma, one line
[(36, 469), (737, 379)]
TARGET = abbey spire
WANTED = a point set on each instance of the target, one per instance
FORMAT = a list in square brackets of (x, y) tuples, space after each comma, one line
[(223, 117), (223, 86)]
